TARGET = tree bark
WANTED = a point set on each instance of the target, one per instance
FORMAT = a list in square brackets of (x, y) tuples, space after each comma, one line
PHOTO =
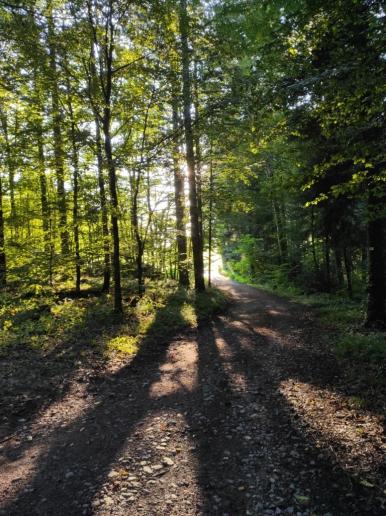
[(327, 263), (313, 247), (75, 209), (57, 133), (376, 312), (348, 267), (278, 231), (105, 76), (103, 203), (197, 146), (210, 228), (338, 265), (114, 209), (93, 91), (198, 261), (183, 275), (3, 262), (11, 170)]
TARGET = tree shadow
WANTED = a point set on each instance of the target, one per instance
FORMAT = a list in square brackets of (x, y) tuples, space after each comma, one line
[(33, 378), (253, 455), (88, 445), (255, 452)]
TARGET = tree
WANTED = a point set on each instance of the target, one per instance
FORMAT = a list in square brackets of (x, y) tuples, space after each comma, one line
[(189, 144), (105, 58)]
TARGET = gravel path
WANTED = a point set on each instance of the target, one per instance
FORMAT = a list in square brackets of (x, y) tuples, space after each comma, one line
[(243, 416)]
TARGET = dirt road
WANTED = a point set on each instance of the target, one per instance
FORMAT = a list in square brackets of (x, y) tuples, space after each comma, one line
[(243, 416)]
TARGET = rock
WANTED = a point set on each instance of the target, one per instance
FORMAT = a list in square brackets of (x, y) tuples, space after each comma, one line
[(148, 470), (108, 500), (167, 461)]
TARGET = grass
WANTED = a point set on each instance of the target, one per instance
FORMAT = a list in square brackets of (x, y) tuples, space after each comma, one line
[(42, 321)]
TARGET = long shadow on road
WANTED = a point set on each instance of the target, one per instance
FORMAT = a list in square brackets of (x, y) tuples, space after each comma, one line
[(252, 456), (70, 472)]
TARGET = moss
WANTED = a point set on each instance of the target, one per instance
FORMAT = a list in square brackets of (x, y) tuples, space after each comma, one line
[(124, 344)]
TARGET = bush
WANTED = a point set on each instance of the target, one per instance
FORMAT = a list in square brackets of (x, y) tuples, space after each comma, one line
[(361, 347)]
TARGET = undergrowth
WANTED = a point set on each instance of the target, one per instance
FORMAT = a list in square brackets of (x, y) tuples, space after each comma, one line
[(45, 321)]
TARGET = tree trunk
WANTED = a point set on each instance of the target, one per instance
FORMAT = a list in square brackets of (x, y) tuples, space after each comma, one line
[(57, 133), (106, 51), (210, 229), (75, 209), (376, 312), (197, 146), (114, 212), (137, 234), (347, 266), (338, 265), (183, 275), (316, 264), (327, 263), (45, 209), (3, 264), (11, 170), (363, 263), (283, 230), (135, 188), (103, 202), (278, 233), (198, 261)]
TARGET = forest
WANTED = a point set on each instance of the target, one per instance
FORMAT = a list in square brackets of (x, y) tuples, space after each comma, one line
[(192, 191)]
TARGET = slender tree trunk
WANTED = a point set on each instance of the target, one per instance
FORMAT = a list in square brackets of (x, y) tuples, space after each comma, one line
[(58, 140), (183, 275), (338, 265), (197, 146), (3, 263), (316, 264), (348, 269), (376, 312), (12, 183), (114, 212), (11, 170), (106, 49), (38, 128), (135, 187), (93, 91), (187, 103), (140, 272), (210, 229), (103, 203), (283, 230), (137, 235), (327, 263), (43, 189), (75, 209), (278, 233), (45, 210)]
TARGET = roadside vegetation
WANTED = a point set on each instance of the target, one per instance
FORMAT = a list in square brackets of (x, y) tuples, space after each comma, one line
[(45, 320)]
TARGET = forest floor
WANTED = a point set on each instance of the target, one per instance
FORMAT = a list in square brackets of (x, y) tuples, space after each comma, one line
[(248, 414)]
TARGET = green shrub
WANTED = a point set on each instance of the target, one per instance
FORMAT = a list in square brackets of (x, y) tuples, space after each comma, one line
[(361, 347)]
